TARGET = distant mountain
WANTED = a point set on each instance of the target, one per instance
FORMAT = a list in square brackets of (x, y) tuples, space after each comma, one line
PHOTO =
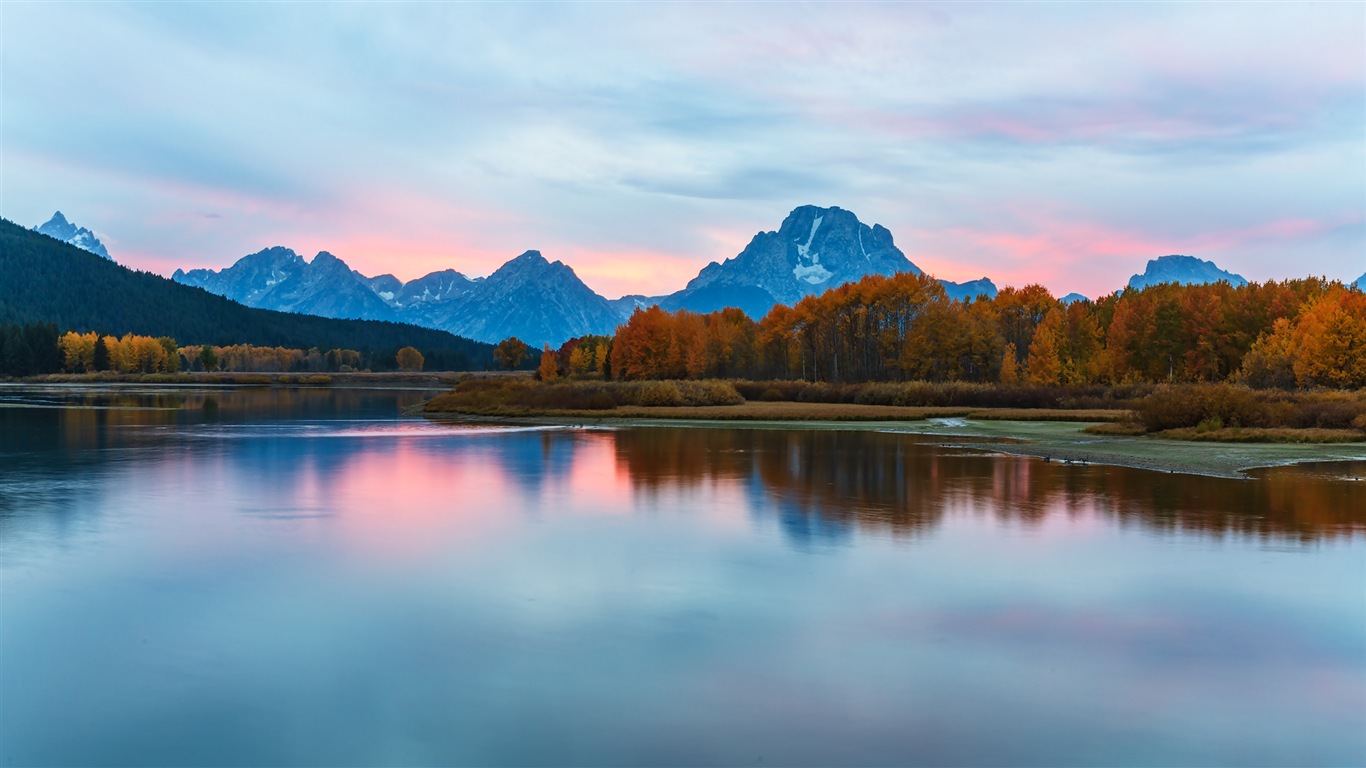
[(278, 278), (63, 230), (1361, 282), (627, 305), (54, 282), (1073, 298), (1186, 270), (970, 290), (538, 301), (815, 249)]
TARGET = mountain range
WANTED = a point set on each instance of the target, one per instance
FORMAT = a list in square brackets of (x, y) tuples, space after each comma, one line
[(46, 280), (545, 302)]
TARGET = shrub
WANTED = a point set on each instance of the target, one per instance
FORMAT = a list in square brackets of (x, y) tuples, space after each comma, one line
[(1189, 405), (657, 393)]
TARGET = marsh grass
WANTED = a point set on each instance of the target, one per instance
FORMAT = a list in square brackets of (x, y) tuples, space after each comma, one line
[(500, 395), (1264, 435), (926, 394), (1117, 429)]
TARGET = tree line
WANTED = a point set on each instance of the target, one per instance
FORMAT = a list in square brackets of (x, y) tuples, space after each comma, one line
[(38, 348), (1294, 333)]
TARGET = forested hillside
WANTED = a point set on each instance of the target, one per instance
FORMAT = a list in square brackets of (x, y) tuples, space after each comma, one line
[(45, 280)]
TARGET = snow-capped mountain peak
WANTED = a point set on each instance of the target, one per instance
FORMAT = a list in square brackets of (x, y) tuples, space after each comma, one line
[(58, 227)]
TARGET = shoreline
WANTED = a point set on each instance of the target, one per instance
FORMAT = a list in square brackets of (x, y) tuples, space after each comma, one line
[(274, 379), (1054, 441), (1046, 434)]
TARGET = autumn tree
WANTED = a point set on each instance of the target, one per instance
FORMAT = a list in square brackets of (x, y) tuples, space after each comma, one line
[(549, 368), (1271, 361), (1330, 342), (1044, 366), (409, 359), (1010, 371), (510, 352), (78, 351)]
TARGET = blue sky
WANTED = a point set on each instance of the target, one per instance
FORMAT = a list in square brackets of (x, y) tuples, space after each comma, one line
[(1062, 143)]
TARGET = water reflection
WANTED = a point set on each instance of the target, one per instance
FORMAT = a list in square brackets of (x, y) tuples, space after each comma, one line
[(901, 485), (820, 486), (327, 582)]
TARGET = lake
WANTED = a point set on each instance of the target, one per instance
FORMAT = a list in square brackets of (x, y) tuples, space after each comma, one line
[(305, 577)]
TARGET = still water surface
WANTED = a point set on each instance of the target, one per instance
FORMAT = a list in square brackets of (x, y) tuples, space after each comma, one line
[(305, 577)]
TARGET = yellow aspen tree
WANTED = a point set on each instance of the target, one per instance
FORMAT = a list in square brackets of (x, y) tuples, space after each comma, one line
[(548, 370)]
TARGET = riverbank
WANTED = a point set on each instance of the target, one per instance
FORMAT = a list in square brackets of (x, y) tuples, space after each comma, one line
[(1002, 431), (345, 379)]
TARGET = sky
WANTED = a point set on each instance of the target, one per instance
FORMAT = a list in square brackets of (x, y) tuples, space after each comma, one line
[(1058, 143)]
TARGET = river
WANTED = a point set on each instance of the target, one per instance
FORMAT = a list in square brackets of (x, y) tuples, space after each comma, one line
[(253, 576)]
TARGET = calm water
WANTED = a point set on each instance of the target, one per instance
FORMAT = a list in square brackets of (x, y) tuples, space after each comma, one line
[(276, 577)]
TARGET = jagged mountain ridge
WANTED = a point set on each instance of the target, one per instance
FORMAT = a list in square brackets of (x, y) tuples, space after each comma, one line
[(1186, 270), (529, 297), (538, 301), (280, 279), (58, 227), (545, 303)]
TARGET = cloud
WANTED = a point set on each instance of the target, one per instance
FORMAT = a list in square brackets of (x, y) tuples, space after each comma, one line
[(432, 135)]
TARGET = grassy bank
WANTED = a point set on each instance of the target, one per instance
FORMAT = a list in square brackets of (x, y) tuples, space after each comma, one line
[(1197, 413), (726, 400), (768, 412)]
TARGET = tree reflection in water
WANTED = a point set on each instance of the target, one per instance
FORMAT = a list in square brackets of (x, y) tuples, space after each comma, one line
[(905, 486)]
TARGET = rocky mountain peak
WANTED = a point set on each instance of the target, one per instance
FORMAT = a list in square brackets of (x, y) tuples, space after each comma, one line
[(814, 249), (1186, 270), (59, 228)]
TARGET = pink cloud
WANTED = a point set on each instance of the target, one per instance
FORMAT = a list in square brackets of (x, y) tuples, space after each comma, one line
[(1087, 256)]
